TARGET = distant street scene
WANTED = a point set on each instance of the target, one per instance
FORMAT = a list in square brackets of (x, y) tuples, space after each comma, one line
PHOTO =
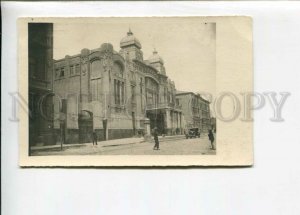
[(181, 146)]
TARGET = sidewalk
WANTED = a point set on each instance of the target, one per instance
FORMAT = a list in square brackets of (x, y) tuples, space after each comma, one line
[(124, 141), (168, 138), (107, 143)]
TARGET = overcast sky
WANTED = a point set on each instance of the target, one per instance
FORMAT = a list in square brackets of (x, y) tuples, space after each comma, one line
[(187, 45)]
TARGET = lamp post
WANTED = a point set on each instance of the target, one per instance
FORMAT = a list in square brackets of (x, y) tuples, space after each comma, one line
[(62, 119)]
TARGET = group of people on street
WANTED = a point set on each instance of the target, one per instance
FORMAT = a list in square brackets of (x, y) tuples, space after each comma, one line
[(155, 136), (156, 145)]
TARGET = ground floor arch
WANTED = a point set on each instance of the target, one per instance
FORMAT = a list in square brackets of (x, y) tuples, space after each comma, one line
[(85, 124)]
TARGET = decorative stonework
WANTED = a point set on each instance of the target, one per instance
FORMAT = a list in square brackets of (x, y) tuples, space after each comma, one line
[(84, 59), (107, 60), (84, 69), (104, 72)]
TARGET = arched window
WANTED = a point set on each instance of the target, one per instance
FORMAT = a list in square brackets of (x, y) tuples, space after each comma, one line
[(119, 84), (96, 81)]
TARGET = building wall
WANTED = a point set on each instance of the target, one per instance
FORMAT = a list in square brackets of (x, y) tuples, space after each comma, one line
[(213, 123), (205, 116), (40, 47), (185, 102), (111, 94), (195, 109)]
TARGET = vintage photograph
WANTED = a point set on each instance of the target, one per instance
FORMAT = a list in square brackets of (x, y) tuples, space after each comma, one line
[(126, 86), (150, 107)]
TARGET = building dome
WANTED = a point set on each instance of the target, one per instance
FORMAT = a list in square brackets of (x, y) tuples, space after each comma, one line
[(155, 58), (130, 39)]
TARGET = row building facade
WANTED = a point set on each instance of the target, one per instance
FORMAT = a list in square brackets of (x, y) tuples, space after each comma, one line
[(113, 93), (195, 109), (40, 92)]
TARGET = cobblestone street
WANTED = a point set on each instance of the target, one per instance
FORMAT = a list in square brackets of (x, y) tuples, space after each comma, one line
[(193, 146)]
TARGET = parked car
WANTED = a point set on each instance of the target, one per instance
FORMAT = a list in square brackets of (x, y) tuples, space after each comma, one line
[(192, 132)]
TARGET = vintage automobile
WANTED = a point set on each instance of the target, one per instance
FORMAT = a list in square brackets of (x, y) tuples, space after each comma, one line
[(192, 132)]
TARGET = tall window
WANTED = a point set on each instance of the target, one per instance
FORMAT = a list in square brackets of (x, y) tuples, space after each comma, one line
[(62, 72), (119, 84), (96, 81), (152, 92), (119, 92), (122, 92)]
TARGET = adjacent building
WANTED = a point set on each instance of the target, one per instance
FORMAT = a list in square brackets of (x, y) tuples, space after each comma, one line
[(40, 64), (113, 93), (195, 109), (213, 122)]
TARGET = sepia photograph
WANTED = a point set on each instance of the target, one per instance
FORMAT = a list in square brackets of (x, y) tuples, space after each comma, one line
[(122, 86), (150, 107)]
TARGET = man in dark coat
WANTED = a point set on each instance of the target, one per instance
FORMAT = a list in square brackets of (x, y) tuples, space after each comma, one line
[(212, 139), (94, 138), (155, 135)]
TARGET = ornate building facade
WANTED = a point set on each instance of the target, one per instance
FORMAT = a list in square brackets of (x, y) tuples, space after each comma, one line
[(113, 93), (195, 109)]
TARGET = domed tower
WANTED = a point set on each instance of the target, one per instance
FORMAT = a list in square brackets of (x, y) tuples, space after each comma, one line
[(157, 62), (131, 47)]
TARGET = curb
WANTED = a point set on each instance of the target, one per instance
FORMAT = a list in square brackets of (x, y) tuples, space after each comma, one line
[(65, 146)]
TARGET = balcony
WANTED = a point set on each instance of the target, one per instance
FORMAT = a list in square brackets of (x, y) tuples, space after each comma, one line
[(177, 106), (162, 106)]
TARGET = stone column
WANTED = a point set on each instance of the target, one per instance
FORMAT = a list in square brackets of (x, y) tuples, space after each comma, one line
[(106, 50), (177, 120), (169, 122), (180, 122)]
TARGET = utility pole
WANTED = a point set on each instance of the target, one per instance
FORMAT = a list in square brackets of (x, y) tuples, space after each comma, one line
[(62, 119)]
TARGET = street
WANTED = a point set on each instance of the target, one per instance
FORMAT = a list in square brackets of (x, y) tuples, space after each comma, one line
[(195, 146)]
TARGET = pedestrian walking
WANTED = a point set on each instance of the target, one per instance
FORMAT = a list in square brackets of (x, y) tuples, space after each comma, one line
[(212, 139), (94, 138), (155, 135)]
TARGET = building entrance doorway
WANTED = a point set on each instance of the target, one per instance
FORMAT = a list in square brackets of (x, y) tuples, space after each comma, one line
[(85, 124), (157, 120)]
